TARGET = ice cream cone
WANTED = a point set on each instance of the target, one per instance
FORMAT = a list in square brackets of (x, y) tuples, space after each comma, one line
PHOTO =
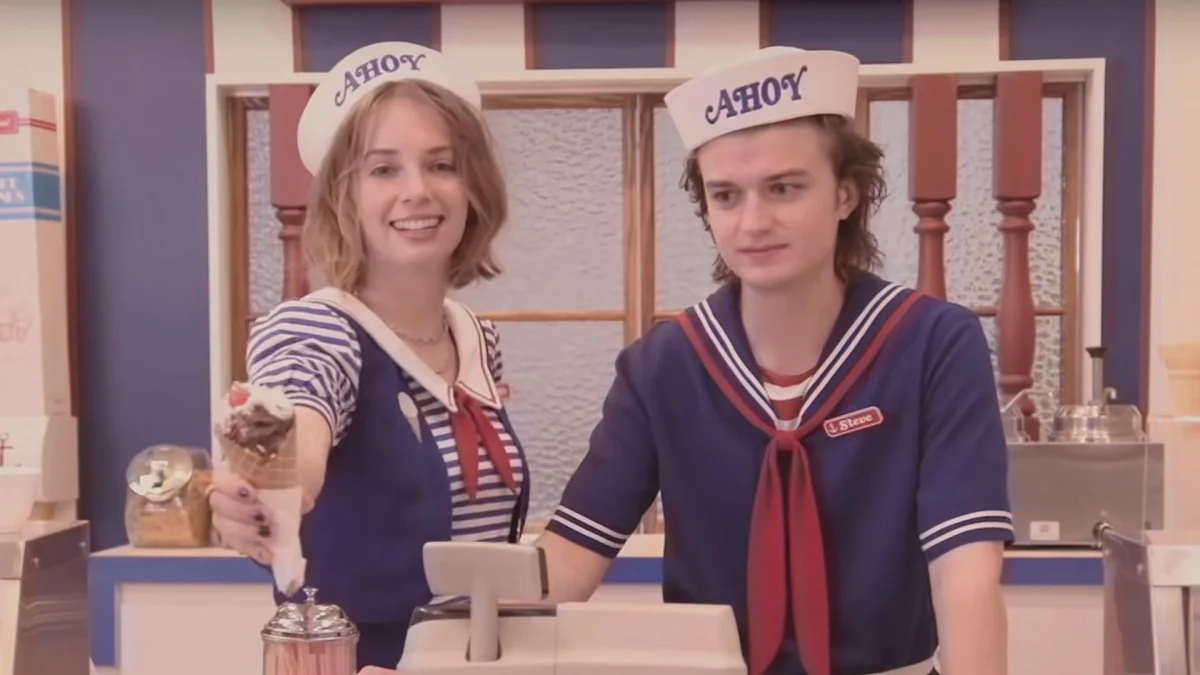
[(265, 469), (258, 437)]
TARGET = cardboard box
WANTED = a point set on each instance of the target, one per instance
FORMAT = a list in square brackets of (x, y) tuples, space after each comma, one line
[(34, 358)]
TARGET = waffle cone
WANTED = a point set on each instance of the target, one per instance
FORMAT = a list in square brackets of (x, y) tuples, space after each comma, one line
[(265, 472)]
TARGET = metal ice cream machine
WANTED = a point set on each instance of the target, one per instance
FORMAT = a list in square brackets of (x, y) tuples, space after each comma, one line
[(1095, 466)]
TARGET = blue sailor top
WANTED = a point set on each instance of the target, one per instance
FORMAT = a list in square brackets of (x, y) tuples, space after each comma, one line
[(828, 521), (395, 478)]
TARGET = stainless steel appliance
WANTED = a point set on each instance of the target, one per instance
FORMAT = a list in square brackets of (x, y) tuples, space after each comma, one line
[(1095, 466), (1151, 602), (44, 599), (1060, 492)]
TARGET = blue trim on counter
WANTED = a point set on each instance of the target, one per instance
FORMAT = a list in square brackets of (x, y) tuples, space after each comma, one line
[(108, 573), (1053, 571)]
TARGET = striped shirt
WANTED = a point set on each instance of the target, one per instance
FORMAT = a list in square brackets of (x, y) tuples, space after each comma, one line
[(787, 394), (311, 351)]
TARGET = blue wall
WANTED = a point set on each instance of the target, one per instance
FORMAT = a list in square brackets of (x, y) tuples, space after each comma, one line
[(873, 30), (327, 34), (142, 233), (602, 35)]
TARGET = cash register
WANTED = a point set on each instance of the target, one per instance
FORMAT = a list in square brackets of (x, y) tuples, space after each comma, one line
[(500, 628)]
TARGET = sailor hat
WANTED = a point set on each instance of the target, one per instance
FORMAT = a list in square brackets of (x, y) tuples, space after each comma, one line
[(359, 74), (772, 85)]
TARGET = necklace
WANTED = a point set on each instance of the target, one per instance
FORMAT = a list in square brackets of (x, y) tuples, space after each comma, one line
[(412, 339), (445, 365), (420, 341)]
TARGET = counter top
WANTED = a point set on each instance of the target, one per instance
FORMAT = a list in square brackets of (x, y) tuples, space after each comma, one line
[(640, 562)]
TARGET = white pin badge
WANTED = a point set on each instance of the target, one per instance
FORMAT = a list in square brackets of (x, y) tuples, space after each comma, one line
[(409, 409)]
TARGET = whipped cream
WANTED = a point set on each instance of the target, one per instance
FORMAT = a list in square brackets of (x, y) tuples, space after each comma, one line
[(258, 416), (271, 400)]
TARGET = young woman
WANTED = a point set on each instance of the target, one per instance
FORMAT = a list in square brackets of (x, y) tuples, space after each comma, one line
[(828, 445), (402, 433)]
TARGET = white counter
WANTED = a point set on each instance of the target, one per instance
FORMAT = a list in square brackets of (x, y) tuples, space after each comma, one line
[(150, 607)]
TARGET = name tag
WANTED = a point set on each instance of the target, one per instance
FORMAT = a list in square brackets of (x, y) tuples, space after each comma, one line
[(852, 422)]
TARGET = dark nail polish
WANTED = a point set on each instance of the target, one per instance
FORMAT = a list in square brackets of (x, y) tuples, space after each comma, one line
[(264, 531), (260, 518), (244, 493)]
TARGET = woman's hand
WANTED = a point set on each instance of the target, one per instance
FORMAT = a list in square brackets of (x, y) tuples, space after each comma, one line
[(243, 522)]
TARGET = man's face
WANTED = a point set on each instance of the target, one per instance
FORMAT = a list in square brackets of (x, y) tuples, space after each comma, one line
[(774, 203)]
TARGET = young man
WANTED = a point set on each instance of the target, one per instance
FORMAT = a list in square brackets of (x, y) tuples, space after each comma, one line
[(828, 445)]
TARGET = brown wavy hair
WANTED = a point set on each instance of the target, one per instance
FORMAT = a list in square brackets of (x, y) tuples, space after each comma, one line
[(855, 158), (332, 235)]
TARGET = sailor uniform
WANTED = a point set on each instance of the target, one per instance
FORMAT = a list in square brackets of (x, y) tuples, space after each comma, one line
[(817, 529), (414, 458)]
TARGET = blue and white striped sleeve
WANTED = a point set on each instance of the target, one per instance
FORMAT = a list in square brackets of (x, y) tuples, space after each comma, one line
[(308, 350), (962, 494)]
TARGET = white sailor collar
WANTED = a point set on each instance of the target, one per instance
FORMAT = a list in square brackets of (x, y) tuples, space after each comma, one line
[(474, 371)]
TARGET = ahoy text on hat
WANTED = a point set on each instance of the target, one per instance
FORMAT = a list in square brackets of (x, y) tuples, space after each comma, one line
[(774, 84), (360, 73)]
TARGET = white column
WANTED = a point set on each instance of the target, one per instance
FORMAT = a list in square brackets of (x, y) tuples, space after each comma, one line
[(956, 31), (1175, 244), (252, 39), (488, 40), (709, 33)]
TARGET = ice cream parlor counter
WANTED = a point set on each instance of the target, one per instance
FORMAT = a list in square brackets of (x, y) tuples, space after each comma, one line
[(199, 611)]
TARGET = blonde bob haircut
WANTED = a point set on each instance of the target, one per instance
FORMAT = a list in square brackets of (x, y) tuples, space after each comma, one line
[(332, 235)]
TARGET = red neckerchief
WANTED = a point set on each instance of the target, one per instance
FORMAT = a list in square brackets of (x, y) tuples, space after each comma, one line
[(472, 427), (769, 573)]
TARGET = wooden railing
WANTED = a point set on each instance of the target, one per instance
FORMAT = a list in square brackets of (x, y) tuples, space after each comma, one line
[(1017, 184)]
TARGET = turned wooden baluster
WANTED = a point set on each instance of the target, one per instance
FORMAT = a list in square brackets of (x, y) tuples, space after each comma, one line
[(1017, 183), (290, 181), (932, 178)]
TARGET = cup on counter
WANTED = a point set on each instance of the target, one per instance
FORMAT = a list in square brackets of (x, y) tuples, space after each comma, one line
[(18, 492)]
